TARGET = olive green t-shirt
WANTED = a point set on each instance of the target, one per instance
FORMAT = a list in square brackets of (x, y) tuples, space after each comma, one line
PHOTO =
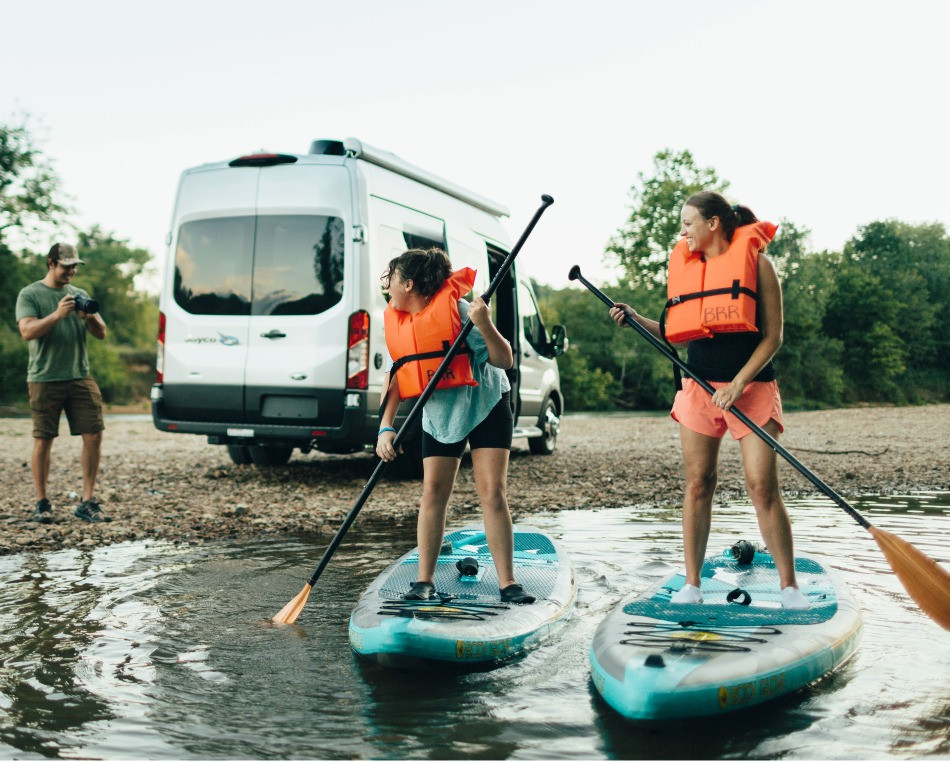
[(60, 355)]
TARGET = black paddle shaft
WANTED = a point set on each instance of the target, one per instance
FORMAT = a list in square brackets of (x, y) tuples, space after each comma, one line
[(575, 274), (416, 411)]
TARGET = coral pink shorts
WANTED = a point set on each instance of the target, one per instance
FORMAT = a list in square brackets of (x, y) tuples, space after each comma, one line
[(693, 408)]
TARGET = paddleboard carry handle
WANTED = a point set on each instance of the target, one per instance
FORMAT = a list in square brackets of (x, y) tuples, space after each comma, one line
[(739, 596)]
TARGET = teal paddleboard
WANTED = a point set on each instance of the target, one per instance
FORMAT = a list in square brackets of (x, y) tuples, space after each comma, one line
[(467, 626), (652, 659)]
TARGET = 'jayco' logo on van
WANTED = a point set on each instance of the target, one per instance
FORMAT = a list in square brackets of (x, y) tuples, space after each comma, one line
[(228, 341)]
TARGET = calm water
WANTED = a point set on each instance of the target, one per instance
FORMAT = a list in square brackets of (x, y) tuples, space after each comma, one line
[(156, 651)]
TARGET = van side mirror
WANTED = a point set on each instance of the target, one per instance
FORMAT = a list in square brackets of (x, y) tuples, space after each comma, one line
[(559, 342)]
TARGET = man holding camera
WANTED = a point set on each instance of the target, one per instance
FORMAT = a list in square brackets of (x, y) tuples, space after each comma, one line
[(54, 316)]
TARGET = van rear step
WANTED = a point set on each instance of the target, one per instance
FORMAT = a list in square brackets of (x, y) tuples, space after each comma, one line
[(527, 431)]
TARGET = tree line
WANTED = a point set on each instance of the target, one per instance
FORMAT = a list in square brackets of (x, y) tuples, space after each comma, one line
[(32, 203), (865, 324)]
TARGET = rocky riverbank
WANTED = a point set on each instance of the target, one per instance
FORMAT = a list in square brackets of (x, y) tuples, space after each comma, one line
[(177, 487)]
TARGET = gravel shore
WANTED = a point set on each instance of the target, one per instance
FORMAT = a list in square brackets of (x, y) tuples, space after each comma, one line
[(177, 487)]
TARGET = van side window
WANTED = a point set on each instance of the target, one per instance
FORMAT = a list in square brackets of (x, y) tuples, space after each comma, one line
[(504, 305), (298, 264), (419, 238), (531, 319), (213, 266)]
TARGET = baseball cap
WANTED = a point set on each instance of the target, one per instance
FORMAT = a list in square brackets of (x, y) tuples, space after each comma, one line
[(65, 254)]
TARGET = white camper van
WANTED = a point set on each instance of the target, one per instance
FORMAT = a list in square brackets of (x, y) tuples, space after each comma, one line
[(271, 327)]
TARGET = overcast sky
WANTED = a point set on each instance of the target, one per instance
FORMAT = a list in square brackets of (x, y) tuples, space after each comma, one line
[(830, 114)]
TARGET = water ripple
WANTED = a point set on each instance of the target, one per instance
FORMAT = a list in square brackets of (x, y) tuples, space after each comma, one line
[(153, 650)]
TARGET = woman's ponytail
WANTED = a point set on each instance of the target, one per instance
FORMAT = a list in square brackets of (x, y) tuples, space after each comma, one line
[(426, 268), (711, 204)]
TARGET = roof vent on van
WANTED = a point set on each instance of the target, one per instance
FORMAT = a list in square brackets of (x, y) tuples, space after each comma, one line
[(328, 148), (262, 160)]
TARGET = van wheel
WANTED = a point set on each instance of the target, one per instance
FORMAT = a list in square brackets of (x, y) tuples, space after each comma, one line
[(550, 423), (240, 454), (268, 456)]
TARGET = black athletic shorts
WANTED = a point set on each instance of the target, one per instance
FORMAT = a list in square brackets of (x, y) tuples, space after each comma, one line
[(494, 432)]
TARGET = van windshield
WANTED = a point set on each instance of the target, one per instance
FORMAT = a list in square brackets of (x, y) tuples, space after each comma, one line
[(264, 265)]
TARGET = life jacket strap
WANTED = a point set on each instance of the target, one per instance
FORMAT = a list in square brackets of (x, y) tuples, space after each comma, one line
[(733, 291), (425, 356)]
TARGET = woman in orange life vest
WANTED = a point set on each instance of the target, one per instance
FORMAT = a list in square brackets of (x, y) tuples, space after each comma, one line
[(471, 408), (738, 365)]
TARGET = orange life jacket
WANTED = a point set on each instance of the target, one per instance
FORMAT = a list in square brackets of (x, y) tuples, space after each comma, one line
[(717, 295), (418, 342)]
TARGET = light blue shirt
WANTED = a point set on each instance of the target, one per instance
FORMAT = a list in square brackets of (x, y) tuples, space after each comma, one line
[(450, 415)]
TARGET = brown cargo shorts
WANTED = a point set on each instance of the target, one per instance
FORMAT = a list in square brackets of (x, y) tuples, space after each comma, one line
[(79, 397)]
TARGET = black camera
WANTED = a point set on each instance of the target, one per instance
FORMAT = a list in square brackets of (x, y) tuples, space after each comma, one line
[(85, 304)]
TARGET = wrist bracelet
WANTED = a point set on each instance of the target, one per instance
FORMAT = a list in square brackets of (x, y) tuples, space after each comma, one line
[(384, 430)]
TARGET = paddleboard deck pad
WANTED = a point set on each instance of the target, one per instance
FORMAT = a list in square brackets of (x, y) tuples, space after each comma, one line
[(652, 659), (467, 625)]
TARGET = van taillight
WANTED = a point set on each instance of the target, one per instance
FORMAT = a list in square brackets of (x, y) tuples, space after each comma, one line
[(160, 354), (357, 355)]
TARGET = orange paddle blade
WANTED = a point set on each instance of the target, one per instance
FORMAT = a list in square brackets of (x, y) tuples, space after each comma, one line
[(924, 579), (289, 613)]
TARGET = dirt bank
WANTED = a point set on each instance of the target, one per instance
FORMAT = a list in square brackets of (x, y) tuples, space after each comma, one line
[(177, 487)]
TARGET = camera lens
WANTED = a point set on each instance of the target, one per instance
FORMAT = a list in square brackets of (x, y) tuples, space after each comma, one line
[(85, 304)]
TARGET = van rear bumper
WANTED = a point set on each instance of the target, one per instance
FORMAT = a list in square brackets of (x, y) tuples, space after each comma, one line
[(357, 428)]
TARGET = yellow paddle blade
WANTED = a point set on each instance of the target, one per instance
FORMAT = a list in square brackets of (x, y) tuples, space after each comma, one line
[(289, 613), (924, 579)]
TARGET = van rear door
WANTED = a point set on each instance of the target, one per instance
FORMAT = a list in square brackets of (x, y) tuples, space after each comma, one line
[(297, 340), (208, 312)]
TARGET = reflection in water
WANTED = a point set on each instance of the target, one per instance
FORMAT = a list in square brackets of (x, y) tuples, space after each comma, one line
[(151, 650), (52, 618)]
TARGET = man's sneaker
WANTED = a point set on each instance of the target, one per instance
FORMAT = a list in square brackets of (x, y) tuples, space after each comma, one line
[(43, 512), (89, 510)]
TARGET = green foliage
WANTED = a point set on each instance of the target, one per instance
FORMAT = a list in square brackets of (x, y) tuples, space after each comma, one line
[(889, 309), (109, 277), (643, 244), (809, 363), (14, 356), (14, 353), (868, 324), (30, 196), (584, 387), (634, 374), (865, 324), (17, 273), (107, 367), (123, 364), (29, 188)]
